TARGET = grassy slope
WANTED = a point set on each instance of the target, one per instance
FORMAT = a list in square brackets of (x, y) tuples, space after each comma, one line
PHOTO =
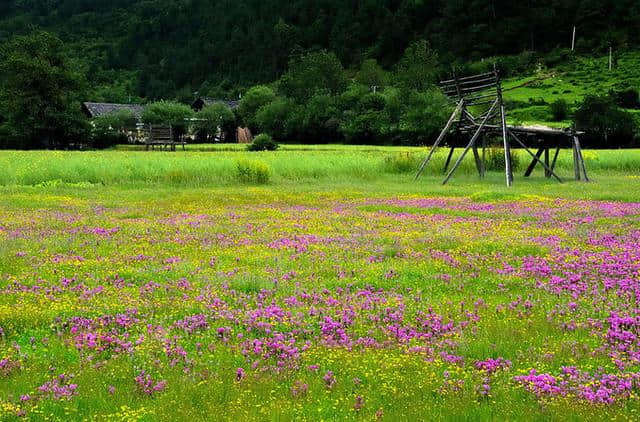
[(571, 82)]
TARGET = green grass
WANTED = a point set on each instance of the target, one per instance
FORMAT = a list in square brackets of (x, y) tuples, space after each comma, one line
[(294, 166), (570, 82)]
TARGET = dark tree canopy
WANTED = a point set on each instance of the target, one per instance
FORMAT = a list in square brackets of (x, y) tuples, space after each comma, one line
[(173, 48), (39, 94)]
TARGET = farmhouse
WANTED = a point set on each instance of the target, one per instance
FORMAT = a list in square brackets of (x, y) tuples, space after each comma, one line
[(93, 110)]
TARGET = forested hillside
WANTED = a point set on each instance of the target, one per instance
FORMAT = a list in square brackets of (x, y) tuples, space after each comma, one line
[(173, 48)]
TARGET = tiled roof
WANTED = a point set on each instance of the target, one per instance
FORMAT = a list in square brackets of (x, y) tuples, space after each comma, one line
[(100, 109)]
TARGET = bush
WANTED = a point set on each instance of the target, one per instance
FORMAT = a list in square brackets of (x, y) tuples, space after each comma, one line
[(559, 110), (494, 159), (401, 163), (263, 142), (249, 171), (627, 98)]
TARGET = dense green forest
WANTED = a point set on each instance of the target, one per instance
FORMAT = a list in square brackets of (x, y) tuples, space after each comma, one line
[(312, 71), (174, 48)]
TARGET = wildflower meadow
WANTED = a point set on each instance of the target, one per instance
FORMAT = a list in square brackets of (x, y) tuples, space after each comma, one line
[(320, 301)]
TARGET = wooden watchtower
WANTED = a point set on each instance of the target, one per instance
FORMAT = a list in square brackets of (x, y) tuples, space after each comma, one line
[(476, 92)]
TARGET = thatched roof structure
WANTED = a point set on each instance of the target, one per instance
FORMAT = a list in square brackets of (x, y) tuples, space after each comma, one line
[(201, 103), (99, 109)]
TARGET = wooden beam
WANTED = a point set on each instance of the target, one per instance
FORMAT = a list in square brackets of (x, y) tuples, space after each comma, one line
[(446, 164), (533, 155), (476, 157), (440, 138), (534, 161)]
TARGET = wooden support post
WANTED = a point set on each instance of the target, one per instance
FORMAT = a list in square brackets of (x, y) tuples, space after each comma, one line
[(440, 138), (555, 158), (546, 161), (470, 144), (484, 155), (476, 157), (581, 168), (507, 148), (505, 139), (446, 164), (576, 165), (534, 161)]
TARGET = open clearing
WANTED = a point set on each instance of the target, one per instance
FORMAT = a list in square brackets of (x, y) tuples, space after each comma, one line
[(157, 287)]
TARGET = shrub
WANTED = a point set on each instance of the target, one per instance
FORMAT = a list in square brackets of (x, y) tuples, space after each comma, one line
[(263, 142), (559, 110), (250, 171), (401, 163), (494, 159), (627, 98)]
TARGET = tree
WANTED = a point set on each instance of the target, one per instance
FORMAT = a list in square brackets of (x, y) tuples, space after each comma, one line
[(276, 118), (605, 123), (425, 116), (371, 74), (418, 68), (108, 129), (251, 102), (168, 113), (313, 73), (40, 94), (217, 116)]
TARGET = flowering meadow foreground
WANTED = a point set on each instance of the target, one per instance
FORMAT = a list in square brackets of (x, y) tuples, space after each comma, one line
[(397, 307)]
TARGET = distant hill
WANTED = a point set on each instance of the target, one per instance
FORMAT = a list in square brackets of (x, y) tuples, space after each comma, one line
[(173, 48)]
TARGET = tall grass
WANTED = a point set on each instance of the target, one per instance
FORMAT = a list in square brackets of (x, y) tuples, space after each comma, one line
[(291, 164)]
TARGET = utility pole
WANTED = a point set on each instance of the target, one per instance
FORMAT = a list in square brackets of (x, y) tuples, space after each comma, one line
[(573, 38)]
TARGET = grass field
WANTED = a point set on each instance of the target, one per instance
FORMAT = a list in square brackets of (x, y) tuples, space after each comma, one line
[(169, 286)]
